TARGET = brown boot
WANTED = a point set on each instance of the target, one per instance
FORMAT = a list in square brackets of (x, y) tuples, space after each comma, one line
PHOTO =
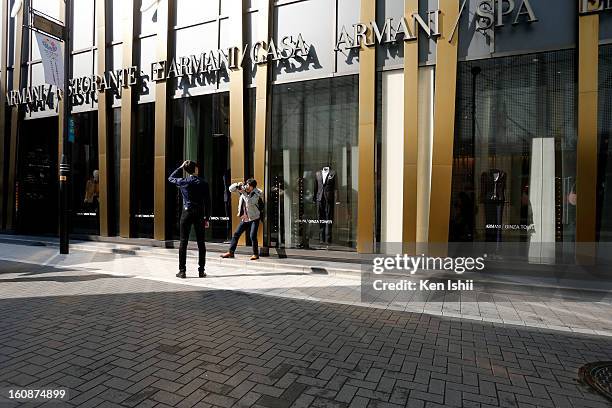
[(228, 255), (254, 257)]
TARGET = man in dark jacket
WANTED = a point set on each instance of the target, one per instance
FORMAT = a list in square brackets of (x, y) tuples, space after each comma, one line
[(196, 211)]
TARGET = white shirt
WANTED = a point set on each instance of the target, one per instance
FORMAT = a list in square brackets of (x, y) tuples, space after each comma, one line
[(325, 173)]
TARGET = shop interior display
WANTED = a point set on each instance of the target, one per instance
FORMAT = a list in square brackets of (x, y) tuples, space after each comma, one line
[(325, 193)]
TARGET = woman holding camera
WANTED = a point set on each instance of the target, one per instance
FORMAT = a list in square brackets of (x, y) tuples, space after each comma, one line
[(250, 208)]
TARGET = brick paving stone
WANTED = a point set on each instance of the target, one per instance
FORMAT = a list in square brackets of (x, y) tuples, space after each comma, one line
[(142, 343), (140, 396), (167, 398)]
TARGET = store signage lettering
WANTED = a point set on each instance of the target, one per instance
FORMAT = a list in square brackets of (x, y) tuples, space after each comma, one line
[(84, 89), (594, 6), (393, 30), (37, 96), (233, 58), (111, 80), (494, 13)]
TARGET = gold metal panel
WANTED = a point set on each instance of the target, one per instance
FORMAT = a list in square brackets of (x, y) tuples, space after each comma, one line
[(586, 171), (262, 99), (586, 162), (366, 201), (411, 135), (261, 118), (440, 205), (3, 82), (588, 49), (236, 100), (126, 124), (161, 125), (12, 170), (102, 120), (444, 124)]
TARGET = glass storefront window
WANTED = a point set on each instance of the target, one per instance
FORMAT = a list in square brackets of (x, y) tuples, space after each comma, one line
[(249, 132), (514, 170), (200, 132), (142, 172), (5, 159), (604, 198), (114, 173), (313, 156), (37, 185), (85, 174)]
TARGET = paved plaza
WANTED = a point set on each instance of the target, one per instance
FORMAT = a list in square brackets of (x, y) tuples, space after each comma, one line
[(516, 302), (113, 331)]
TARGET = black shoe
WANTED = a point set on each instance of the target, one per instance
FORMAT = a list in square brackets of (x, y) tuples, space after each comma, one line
[(181, 275), (201, 273)]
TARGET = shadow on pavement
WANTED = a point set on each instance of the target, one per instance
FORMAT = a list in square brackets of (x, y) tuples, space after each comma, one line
[(64, 279)]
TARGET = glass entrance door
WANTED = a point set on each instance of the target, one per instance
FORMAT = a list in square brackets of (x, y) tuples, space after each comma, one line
[(201, 133)]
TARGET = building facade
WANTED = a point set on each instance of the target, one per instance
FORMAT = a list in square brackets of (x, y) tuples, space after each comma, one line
[(365, 121)]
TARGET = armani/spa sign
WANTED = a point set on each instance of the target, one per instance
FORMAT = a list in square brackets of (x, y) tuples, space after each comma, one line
[(490, 14)]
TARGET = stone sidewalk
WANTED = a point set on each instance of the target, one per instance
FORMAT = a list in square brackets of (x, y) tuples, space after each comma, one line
[(508, 303), (119, 341)]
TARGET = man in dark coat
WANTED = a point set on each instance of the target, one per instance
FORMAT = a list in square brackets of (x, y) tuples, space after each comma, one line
[(196, 211)]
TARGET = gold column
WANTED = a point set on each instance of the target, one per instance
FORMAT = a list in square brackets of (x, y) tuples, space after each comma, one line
[(444, 124), (3, 82), (12, 170), (367, 137), (236, 99), (411, 135), (102, 119), (262, 99), (586, 162), (126, 124), (161, 122)]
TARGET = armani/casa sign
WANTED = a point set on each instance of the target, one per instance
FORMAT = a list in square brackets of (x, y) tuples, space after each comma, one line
[(85, 89)]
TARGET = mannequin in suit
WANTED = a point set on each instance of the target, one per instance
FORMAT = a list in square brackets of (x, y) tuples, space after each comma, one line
[(493, 195), (324, 195)]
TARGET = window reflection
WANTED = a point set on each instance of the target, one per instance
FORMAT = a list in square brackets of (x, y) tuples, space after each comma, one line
[(604, 197)]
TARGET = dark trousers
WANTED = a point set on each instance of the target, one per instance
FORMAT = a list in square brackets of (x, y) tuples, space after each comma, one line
[(326, 217), (191, 217), (252, 227), (494, 214)]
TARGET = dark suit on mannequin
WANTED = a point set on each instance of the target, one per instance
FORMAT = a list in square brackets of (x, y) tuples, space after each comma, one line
[(325, 193)]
